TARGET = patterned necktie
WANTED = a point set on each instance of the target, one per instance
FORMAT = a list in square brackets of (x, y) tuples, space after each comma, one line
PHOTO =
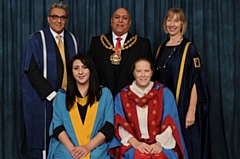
[(118, 45), (61, 50)]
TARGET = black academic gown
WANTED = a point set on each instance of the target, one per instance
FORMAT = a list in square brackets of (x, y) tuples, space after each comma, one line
[(115, 77), (197, 136)]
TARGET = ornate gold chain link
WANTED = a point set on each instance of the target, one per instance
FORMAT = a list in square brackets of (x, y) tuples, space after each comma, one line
[(126, 45)]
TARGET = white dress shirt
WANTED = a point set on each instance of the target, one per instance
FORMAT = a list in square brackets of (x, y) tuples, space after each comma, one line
[(114, 36)]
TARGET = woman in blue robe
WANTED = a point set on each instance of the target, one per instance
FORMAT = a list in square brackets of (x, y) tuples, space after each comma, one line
[(82, 123)]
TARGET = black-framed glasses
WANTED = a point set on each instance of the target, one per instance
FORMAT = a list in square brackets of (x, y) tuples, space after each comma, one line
[(56, 17)]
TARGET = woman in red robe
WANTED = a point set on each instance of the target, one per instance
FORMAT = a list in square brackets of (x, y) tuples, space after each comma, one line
[(146, 119)]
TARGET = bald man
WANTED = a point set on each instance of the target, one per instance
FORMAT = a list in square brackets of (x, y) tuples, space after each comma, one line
[(115, 52)]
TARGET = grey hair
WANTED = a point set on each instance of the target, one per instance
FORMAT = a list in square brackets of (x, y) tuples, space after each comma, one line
[(59, 4)]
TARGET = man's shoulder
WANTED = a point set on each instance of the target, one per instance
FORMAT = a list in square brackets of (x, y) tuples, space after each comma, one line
[(34, 34), (31, 35), (143, 39), (37, 33), (96, 37), (68, 32), (140, 38)]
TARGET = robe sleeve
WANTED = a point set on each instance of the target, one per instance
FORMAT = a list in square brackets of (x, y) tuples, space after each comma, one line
[(107, 130), (109, 114), (125, 136), (31, 58), (170, 115), (42, 86), (57, 120), (166, 139)]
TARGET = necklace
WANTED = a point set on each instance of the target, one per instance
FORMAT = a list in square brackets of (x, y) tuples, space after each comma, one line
[(106, 43), (115, 58), (169, 56)]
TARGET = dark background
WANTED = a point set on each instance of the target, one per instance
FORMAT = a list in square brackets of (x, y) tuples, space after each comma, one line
[(213, 26)]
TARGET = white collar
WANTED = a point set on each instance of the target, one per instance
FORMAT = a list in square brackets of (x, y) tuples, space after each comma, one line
[(55, 34), (124, 36), (139, 92)]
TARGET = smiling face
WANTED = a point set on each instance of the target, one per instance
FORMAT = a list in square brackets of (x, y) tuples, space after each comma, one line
[(80, 73), (175, 21), (173, 25), (120, 21), (58, 24), (142, 73)]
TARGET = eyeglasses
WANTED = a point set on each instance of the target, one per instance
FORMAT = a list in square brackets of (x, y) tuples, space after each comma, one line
[(56, 17)]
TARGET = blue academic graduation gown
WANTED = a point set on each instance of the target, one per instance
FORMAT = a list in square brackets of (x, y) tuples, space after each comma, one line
[(38, 112), (61, 117)]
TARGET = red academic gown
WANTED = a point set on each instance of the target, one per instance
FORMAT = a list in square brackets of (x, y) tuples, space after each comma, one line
[(162, 112)]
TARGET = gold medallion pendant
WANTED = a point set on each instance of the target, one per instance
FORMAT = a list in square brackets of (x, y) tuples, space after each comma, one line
[(115, 58)]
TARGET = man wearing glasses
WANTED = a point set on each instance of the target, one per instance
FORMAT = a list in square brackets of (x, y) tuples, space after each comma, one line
[(43, 72)]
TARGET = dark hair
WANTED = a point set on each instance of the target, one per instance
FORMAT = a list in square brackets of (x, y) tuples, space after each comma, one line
[(143, 58), (94, 91), (121, 8)]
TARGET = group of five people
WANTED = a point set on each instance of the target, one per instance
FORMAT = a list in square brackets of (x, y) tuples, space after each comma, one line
[(118, 101)]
